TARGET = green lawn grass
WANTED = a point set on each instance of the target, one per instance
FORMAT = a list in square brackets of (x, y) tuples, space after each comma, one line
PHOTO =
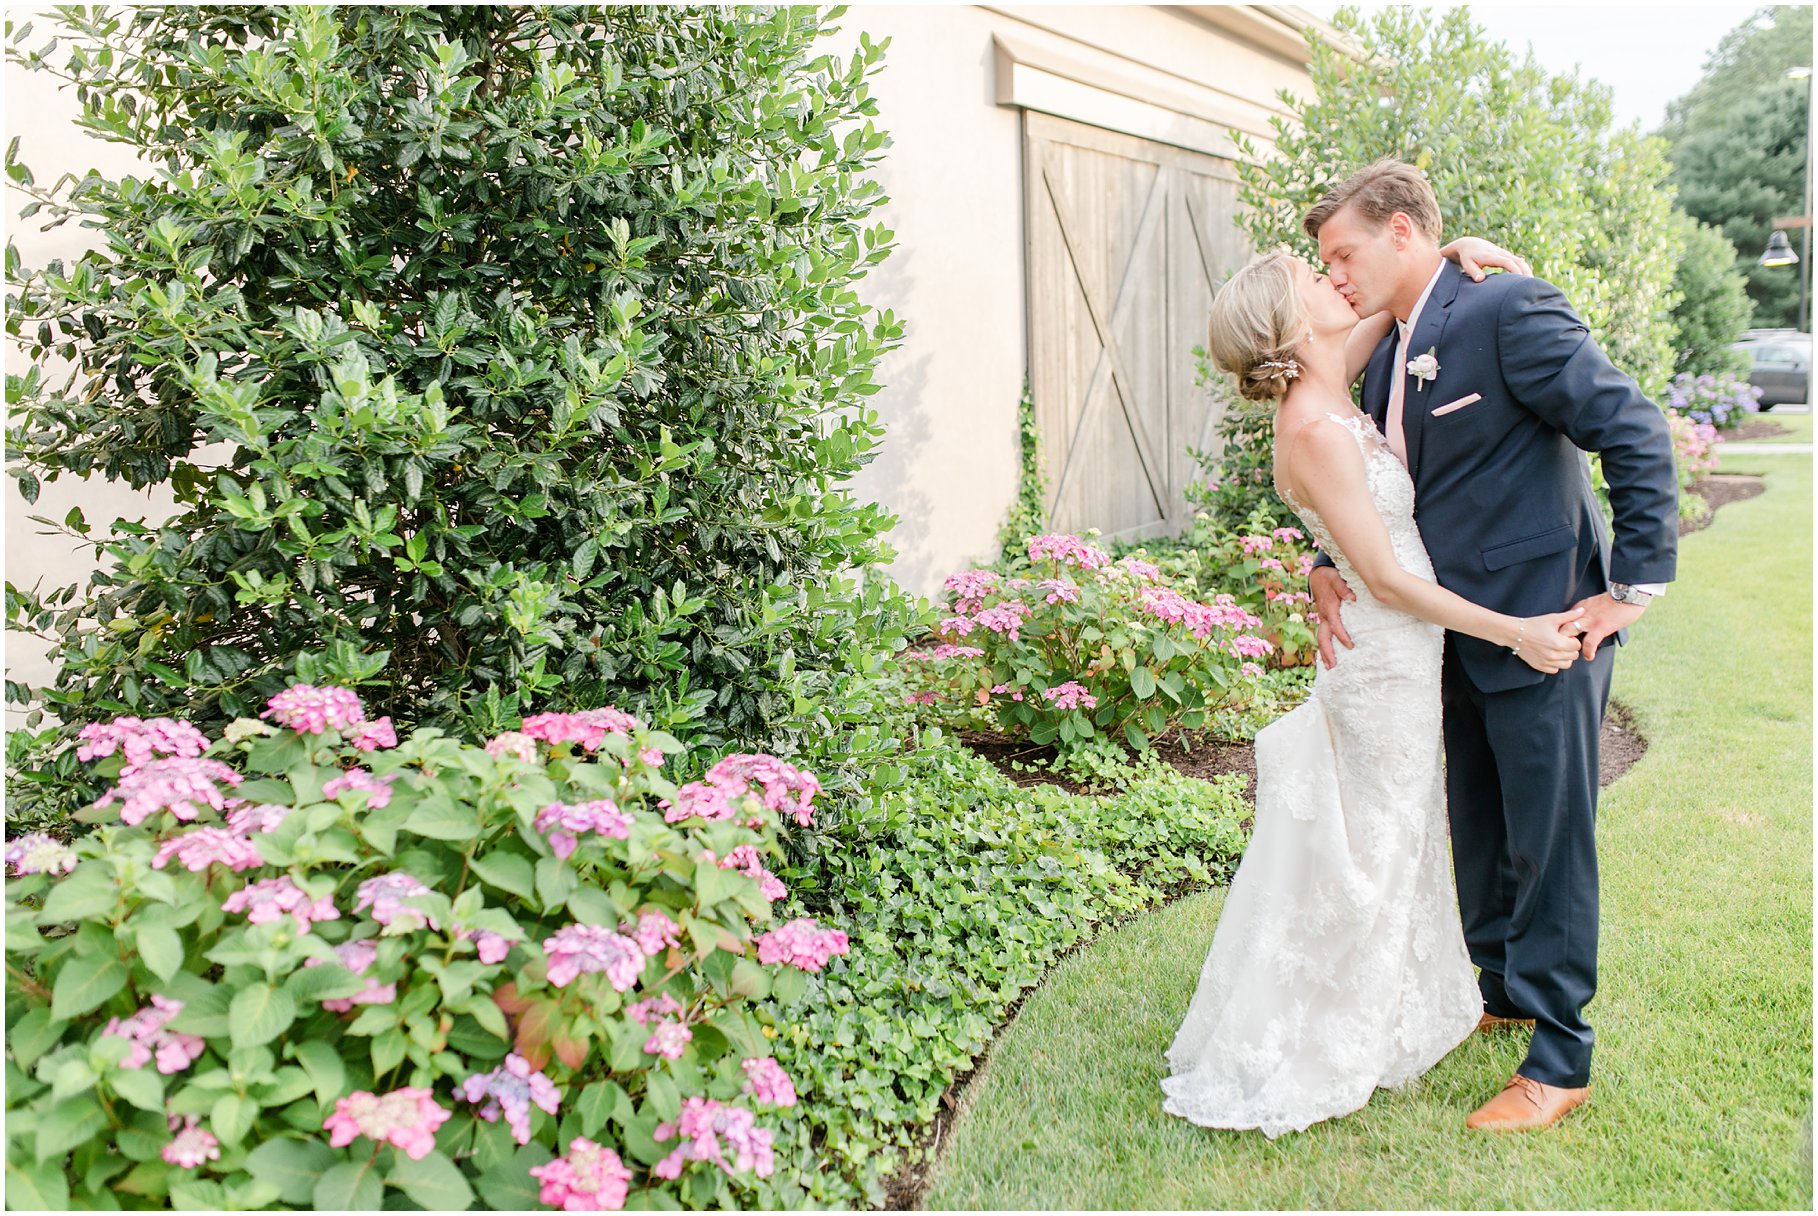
[(1703, 1081)]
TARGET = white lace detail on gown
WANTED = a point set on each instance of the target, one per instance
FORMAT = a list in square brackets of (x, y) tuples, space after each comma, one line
[(1338, 964)]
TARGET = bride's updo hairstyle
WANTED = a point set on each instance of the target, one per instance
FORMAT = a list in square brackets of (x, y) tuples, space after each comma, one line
[(1257, 321)]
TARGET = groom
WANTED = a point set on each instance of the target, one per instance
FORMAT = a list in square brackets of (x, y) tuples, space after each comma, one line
[(1488, 391)]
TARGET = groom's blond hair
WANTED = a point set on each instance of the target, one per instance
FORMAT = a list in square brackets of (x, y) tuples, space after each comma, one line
[(1378, 191)]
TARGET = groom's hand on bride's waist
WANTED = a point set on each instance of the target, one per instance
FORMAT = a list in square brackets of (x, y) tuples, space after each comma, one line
[(1330, 593), (1602, 617)]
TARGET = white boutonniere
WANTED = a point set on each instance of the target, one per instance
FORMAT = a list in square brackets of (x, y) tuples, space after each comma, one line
[(1424, 368)]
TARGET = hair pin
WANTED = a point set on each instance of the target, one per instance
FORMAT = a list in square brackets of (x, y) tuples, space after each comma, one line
[(1287, 367)]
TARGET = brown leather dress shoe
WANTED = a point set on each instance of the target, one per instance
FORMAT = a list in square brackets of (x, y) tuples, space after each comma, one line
[(1490, 1021), (1526, 1105)]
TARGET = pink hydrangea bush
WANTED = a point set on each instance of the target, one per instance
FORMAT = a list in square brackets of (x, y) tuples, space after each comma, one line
[(418, 955), (1083, 650), (1694, 456), (1260, 566)]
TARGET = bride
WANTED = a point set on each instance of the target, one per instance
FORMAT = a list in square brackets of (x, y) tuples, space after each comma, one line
[(1339, 964)]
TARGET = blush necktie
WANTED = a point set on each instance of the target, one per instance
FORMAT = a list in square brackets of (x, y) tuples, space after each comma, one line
[(1398, 382)]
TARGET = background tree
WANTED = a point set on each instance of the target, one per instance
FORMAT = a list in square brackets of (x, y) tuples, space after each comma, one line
[(1532, 160), (531, 344), (1714, 305), (1738, 146)]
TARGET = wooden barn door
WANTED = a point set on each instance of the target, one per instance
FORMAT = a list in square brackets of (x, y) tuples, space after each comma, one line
[(1127, 240)]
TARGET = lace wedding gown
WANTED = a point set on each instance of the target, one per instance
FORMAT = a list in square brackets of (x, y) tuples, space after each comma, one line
[(1339, 964)]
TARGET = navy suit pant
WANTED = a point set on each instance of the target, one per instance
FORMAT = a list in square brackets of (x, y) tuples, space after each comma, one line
[(1521, 795)]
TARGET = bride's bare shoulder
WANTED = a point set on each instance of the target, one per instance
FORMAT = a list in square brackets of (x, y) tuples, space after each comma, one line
[(1312, 454)]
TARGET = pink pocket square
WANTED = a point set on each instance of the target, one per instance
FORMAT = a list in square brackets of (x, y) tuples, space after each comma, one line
[(1459, 404)]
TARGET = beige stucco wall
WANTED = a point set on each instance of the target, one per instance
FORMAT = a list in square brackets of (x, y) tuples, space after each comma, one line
[(954, 176), (43, 117)]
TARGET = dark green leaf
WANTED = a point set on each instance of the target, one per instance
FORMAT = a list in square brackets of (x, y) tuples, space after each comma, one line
[(260, 1013), (294, 1166), (86, 981), (433, 1182), (351, 1185)]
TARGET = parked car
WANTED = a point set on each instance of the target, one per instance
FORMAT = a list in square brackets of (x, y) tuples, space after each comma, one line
[(1780, 365)]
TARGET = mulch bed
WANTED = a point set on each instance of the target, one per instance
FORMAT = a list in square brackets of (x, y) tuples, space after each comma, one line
[(1199, 756), (1717, 490), (1206, 758), (1757, 428)]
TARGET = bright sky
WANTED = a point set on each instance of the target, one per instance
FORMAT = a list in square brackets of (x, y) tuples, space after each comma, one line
[(1648, 54)]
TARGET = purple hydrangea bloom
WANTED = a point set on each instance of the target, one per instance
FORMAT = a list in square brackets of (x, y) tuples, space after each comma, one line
[(511, 1089)]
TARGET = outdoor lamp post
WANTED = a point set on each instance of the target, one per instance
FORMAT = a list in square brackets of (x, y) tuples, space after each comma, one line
[(1779, 251)]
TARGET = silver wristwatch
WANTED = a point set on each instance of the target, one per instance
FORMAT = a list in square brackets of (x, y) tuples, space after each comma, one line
[(1622, 593)]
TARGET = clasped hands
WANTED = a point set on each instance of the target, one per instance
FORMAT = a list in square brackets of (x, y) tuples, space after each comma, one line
[(1550, 643)]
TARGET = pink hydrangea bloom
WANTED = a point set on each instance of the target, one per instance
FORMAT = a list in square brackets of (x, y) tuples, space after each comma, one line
[(653, 756), (1306, 564), (1000, 689), (250, 820), (668, 1040), (956, 626), (1272, 563), (785, 789), (1200, 619), (1287, 534), (182, 785), (766, 1081), (270, 898), (150, 1041), (561, 821), (513, 744), (357, 956), (970, 587), (1060, 591), (651, 1008), (702, 1124), (1005, 618), (310, 711), (1248, 646), (36, 853), (919, 698), (376, 789), (1256, 544), (385, 895), (577, 950), (192, 1146), (654, 932), (492, 947), (698, 798), (1071, 695), (1142, 570), (511, 1089), (405, 1118), (139, 740), (801, 943), (588, 1179), (203, 847), (371, 736), (589, 727), (948, 651), (1068, 551), (746, 860), (1250, 670)]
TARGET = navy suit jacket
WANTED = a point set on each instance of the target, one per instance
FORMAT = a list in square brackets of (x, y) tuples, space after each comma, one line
[(1502, 489)]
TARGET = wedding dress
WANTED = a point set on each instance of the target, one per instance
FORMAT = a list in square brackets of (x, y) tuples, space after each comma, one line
[(1339, 963)]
